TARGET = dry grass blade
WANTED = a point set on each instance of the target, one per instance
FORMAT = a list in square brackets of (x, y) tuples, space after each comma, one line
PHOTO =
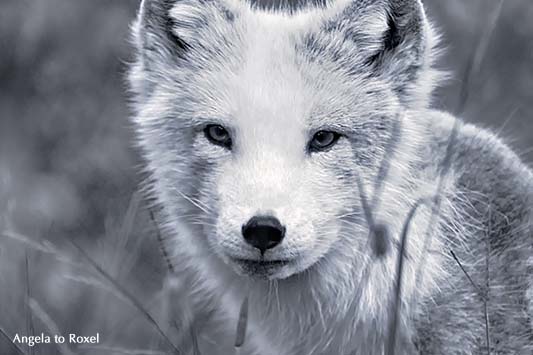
[(170, 267), (481, 293), (9, 340), (122, 236), (194, 339), (478, 289), (117, 350), (95, 282), (474, 63), (378, 232), (127, 295), (487, 281), (127, 224), (387, 158), (526, 151), (29, 317), (445, 168), (395, 309), (41, 314), (40, 246), (43, 246), (242, 324), (364, 203), (472, 69)]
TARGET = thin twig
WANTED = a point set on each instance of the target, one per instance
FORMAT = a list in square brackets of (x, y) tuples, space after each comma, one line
[(478, 289)]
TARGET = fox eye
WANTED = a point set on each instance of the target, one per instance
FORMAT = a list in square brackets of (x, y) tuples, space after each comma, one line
[(218, 135), (323, 140)]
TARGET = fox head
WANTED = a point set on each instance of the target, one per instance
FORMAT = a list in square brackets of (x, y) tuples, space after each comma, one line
[(257, 124)]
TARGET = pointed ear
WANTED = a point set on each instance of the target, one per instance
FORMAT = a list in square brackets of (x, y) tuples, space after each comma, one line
[(396, 40), (168, 29), (153, 30)]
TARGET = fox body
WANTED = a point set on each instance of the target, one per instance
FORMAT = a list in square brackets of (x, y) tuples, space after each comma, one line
[(279, 143)]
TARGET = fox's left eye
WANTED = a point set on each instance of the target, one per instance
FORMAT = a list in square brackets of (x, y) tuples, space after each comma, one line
[(323, 140), (218, 135)]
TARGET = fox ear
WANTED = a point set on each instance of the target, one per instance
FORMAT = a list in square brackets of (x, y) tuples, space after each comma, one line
[(396, 39), (406, 43), (170, 28), (153, 30)]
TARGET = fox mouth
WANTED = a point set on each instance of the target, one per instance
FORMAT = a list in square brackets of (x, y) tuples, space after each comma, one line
[(259, 267), (261, 263)]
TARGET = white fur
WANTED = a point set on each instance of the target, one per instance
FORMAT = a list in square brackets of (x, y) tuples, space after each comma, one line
[(251, 75)]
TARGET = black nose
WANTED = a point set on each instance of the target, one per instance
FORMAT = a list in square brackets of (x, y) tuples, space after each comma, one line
[(263, 232)]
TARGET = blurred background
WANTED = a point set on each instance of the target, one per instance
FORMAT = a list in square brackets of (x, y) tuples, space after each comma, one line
[(68, 172)]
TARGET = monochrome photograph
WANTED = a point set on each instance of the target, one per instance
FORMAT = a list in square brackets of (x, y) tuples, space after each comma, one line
[(266, 177)]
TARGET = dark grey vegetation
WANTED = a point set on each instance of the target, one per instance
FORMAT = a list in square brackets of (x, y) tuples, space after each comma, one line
[(79, 247)]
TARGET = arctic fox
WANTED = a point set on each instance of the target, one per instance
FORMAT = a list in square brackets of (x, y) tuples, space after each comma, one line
[(291, 152)]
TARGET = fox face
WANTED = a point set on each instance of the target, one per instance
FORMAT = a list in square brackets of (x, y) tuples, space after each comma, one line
[(257, 125)]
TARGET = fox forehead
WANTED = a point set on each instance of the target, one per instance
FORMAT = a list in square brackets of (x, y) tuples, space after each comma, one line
[(263, 77), (256, 78), (282, 91), (269, 87)]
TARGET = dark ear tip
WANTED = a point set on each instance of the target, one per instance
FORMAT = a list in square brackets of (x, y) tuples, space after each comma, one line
[(157, 21), (180, 43), (404, 23), (404, 19), (392, 38)]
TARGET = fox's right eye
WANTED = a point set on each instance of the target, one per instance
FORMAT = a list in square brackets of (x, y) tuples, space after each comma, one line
[(218, 135)]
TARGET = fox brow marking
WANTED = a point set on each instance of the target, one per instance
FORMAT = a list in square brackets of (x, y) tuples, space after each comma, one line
[(199, 122)]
